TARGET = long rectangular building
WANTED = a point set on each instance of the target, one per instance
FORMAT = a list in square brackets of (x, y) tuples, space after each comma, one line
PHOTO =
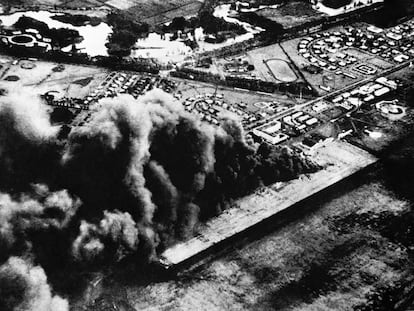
[(339, 159)]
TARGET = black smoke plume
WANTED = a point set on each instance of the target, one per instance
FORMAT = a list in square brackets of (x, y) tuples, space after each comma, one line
[(133, 178), (24, 287), (27, 142), (41, 211)]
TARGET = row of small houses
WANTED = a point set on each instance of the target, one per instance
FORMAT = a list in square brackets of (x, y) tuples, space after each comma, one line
[(32, 39), (276, 33), (253, 84)]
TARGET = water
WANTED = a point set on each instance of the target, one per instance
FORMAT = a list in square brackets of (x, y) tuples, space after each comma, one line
[(176, 51), (225, 12), (355, 4), (163, 50), (94, 37), (260, 7)]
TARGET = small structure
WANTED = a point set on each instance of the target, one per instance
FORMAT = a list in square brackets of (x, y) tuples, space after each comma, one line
[(391, 109), (270, 132)]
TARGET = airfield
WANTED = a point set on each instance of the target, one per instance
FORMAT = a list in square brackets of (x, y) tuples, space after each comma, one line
[(367, 114), (336, 256)]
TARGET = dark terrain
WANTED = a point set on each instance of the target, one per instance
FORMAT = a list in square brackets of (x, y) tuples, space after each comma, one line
[(353, 251)]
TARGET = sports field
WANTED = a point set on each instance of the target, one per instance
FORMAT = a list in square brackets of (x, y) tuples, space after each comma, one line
[(281, 70)]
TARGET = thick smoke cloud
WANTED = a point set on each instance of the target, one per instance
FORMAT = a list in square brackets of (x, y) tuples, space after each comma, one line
[(41, 211), (24, 287), (26, 141), (133, 178), (115, 236), (109, 157)]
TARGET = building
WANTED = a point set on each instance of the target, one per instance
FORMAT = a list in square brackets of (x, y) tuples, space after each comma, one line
[(270, 132)]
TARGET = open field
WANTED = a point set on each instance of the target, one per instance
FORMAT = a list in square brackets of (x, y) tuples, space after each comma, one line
[(74, 4), (68, 81), (340, 160), (151, 7), (156, 12), (260, 55), (264, 68), (30, 3), (259, 59), (392, 131), (153, 12), (234, 96), (335, 258), (281, 70), (291, 14)]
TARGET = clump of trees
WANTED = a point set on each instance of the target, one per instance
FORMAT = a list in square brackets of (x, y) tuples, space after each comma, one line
[(125, 34), (336, 4), (62, 115), (213, 25), (210, 24), (61, 37), (272, 28), (391, 12), (77, 19)]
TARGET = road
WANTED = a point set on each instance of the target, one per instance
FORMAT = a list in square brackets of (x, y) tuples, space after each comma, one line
[(350, 87)]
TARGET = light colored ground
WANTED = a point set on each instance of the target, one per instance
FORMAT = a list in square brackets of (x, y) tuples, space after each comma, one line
[(291, 14), (281, 70), (42, 79), (157, 11), (258, 56), (52, 3), (369, 58), (121, 4), (340, 161), (315, 263), (233, 96), (355, 4)]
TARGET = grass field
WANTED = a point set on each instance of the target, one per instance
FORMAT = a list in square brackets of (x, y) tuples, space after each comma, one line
[(369, 58), (281, 70), (155, 12), (259, 57), (51, 3), (291, 14), (71, 82), (334, 259)]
